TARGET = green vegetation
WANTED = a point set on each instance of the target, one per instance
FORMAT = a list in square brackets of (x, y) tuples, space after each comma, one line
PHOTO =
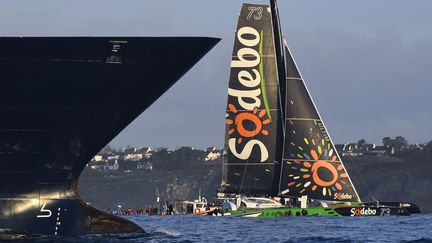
[(397, 147)]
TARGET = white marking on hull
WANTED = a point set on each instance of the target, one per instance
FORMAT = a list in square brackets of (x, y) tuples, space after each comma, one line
[(254, 215), (47, 212)]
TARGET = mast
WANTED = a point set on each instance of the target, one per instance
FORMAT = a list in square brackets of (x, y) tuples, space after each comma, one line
[(278, 39), (280, 60)]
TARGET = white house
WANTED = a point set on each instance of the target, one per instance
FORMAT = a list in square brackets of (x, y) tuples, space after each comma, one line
[(113, 157), (97, 165), (133, 157), (139, 154), (111, 165), (212, 155), (97, 158), (145, 166)]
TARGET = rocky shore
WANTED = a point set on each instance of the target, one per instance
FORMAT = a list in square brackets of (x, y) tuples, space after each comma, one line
[(386, 178)]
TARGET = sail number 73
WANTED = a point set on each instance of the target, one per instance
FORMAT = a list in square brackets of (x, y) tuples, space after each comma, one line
[(255, 12)]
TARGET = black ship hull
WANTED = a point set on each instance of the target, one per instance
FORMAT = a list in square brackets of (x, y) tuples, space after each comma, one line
[(62, 101), (409, 206)]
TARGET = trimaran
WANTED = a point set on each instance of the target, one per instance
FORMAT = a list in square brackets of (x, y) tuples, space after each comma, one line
[(279, 159)]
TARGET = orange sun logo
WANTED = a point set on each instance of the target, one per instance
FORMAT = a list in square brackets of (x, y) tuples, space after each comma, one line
[(256, 118), (312, 172), (329, 169), (319, 169)]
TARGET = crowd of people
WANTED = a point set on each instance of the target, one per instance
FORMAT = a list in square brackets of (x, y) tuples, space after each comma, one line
[(148, 210)]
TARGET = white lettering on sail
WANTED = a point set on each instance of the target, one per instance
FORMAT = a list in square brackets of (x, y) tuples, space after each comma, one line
[(342, 196), (247, 150), (246, 78), (248, 58), (248, 31), (249, 94)]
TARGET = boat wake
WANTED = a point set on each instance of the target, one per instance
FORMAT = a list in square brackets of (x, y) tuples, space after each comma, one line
[(164, 232), (12, 236), (320, 239)]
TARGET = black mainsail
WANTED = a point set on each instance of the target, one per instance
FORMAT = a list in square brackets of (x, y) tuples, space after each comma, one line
[(253, 144), (276, 143)]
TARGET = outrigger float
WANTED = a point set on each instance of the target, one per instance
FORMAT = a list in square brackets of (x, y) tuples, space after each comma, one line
[(266, 210), (277, 145)]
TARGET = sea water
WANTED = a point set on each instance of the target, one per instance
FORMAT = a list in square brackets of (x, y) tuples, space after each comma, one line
[(417, 228)]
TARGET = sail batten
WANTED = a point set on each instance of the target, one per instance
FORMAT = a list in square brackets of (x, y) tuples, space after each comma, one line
[(301, 119), (309, 160), (259, 164)]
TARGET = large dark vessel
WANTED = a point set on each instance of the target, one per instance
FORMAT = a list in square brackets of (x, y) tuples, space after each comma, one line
[(63, 99)]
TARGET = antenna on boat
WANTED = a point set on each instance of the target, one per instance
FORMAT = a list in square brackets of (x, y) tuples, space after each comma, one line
[(199, 194)]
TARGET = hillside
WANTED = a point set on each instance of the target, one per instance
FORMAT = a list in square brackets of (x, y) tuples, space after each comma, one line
[(387, 178)]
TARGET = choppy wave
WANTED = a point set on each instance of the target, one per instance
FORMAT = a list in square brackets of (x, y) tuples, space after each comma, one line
[(234, 229), (319, 239), (420, 240), (168, 232)]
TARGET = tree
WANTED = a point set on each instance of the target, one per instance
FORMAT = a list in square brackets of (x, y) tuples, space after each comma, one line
[(397, 143), (361, 144), (386, 141), (107, 150), (427, 152), (401, 141), (429, 146)]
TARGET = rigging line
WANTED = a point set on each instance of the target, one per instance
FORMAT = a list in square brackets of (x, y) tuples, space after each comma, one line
[(244, 174), (362, 179), (294, 78), (243, 177), (283, 121), (302, 119), (336, 128), (282, 105)]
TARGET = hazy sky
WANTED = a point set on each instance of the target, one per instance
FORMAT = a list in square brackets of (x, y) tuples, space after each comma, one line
[(367, 63)]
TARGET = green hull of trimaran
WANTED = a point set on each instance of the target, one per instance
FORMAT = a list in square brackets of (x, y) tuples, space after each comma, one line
[(284, 212), (353, 210)]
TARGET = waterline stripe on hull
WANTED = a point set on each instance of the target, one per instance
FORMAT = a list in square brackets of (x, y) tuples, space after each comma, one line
[(351, 211)]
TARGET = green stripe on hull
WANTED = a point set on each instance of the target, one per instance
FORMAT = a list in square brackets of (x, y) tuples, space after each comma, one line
[(355, 209), (285, 212)]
